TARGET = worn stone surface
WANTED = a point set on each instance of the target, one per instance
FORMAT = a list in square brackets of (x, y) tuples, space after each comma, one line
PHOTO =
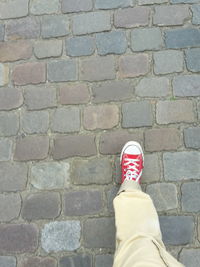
[(18, 238), (9, 123), (74, 94), (137, 114), (80, 46), (192, 137), (25, 28), (164, 196), (54, 26), (112, 142), (131, 17), (146, 39), (153, 87), (182, 231), (151, 171), (181, 165), (104, 260), (36, 98), (10, 98), (91, 22), (99, 232), (61, 71), (5, 149), (66, 120), (131, 66), (81, 260), (69, 6), (35, 122), (4, 73), (111, 43), (45, 205), (190, 196), (74, 145), (100, 117), (186, 85), (84, 203), (196, 14), (38, 7), (2, 32), (192, 59), (10, 206), (112, 91), (95, 171), (171, 111), (31, 148), (50, 175), (168, 61), (7, 261), (13, 9), (29, 73), (162, 139), (190, 257), (50, 48), (61, 236), (36, 261), (15, 50), (97, 69), (13, 176), (104, 4)]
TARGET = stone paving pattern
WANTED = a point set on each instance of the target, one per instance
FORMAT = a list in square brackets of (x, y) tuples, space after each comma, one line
[(77, 80)]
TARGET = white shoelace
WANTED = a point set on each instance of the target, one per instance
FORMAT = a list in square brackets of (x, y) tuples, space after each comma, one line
[(132, 170)]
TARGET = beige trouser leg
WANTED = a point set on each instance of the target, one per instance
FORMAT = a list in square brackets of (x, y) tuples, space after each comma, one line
[(138, 236)]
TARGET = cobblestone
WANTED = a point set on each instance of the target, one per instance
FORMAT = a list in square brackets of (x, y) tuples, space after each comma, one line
[(191, 137), (2, 32), (9, 123), (151, 171), (103, 4), (10, 98), (190, 257), (62, 71), (104, 260), (78, 261), (61, 236), (39, 261), (45, 49), (192, 59), (74, 94), (10, 206), (80, 46), (186, 85), (196, 14), (69, 6), (35, 122), (4, 73), (5, 149), (44, 7), (190, 196), (13, 9), (7, 261)]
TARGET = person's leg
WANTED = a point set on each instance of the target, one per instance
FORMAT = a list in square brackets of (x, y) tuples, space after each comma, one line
[(138, 236)]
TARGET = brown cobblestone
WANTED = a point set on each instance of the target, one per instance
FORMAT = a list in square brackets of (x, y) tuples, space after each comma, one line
[(74, 94)]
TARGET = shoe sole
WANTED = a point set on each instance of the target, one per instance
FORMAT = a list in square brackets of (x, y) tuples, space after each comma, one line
[(132, 143)]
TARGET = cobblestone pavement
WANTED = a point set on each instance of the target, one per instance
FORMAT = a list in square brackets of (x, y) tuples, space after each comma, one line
[(77, 80)]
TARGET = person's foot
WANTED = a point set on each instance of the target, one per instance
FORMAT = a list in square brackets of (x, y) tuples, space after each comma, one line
[(132, 161)]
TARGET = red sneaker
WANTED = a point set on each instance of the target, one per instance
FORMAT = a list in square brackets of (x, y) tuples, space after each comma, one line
[(132, 161)]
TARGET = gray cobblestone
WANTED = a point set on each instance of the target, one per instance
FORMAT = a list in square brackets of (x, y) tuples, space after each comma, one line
[(10, 206), (164, 196), (10, 98), (62, 70), (80, 46), (9, 123), (50, 48), (150, 2), (103, 4), (196, 14), (38, 7), (168, 61), (2, 32), (7, 261), (151, 171), (193, 59), (111, 43), (35, 122), (182, 38), (13, 9), (54, 26), (187, 85), (77, 260), (9, 176), (137, 114), (190, 197), (84, 203), (181, 165), (146, 39), (95, 171), (33, 261), (182, 231), (69, 6), (91, 22), (104, 260), (153, 87), (5, 149), (190, 257), (4, 72), (50, 175), (192, 137), (99, 233), (61, 236), (40, 97)]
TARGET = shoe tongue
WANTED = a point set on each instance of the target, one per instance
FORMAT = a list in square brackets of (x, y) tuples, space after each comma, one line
[(130, 156)]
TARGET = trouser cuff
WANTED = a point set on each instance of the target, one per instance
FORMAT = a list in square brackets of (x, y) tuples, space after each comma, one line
[(128, 186)]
